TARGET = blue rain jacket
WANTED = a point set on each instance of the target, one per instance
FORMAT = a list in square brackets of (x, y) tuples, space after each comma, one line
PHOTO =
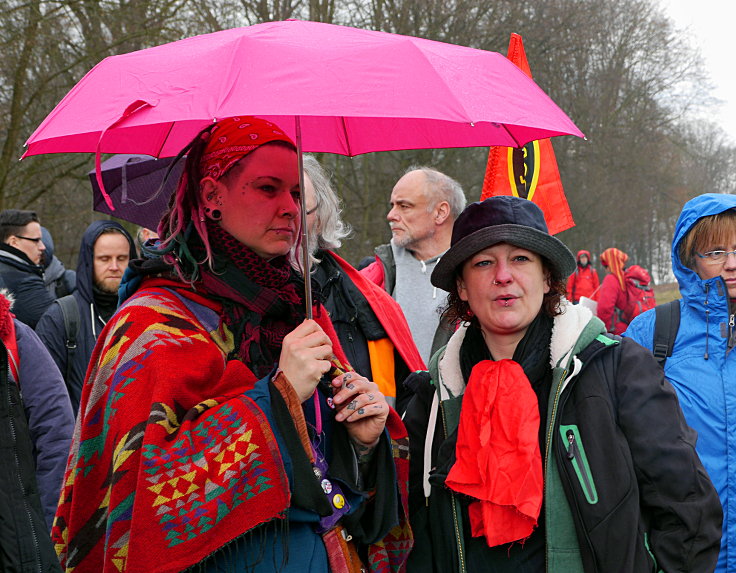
[(702, 367)]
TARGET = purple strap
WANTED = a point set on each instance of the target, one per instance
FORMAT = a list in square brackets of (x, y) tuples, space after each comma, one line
[(332, 490)]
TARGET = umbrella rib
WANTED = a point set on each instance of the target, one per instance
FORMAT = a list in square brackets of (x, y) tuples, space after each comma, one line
[(164, 139), (511, 135), (347, 139)]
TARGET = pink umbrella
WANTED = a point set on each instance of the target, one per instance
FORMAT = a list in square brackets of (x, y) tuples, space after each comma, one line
[(332, 88), (355, 91)]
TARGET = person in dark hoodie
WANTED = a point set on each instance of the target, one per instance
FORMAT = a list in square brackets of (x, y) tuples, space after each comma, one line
[(21, 255), (59, 280), (104, 253)]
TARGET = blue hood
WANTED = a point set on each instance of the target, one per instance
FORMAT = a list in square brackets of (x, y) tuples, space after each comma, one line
[(691, 285), (85, 263)]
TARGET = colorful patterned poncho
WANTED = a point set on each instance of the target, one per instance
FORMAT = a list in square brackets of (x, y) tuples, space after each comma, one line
[(170, 460)]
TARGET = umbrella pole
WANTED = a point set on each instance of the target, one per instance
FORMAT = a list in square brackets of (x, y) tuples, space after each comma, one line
[(303, 216)]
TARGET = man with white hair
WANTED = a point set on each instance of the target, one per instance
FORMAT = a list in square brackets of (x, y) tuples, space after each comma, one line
[(369, 323), (424, 206)]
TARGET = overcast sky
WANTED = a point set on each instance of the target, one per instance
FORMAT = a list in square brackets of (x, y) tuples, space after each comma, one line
[(711, 27)]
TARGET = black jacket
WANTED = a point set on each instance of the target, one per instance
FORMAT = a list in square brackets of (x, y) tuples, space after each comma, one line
[(631, 491), (25, 545), (50, 328), (25, 282)]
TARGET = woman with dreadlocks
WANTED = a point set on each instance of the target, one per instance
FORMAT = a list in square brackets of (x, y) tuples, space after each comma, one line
[(219, 429)]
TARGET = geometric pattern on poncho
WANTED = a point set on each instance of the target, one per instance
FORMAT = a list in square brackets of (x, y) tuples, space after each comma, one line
[(150, 480), (195, 491)]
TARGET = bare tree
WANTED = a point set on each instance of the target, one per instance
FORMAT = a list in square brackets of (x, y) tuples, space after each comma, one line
[(618, 67)]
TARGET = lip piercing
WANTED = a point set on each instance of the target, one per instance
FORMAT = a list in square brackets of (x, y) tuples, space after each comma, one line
[(506, 302)]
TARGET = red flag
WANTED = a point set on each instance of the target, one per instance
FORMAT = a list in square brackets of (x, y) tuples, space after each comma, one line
[(530, 171)]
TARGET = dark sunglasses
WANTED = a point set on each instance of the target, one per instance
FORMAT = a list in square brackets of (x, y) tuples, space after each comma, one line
[(36, 240)]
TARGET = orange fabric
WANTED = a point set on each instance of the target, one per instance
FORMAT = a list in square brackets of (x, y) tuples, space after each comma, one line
[(381, 354), (531, 171), (389, 314), (615, 260), (498, 458)]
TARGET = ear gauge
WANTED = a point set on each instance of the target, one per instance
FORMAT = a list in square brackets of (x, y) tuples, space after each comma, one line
[(216, 215)]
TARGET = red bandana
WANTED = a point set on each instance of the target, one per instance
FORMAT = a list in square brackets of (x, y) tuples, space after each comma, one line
[(232, 139), (498, 458)]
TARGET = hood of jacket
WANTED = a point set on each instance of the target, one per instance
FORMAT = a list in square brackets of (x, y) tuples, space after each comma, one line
[(85, 262), (639, 274), (572, 331), (692, 287), (53, 268), (48, 242), (580, 254)]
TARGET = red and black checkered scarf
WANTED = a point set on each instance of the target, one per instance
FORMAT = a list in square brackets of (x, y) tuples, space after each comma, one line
[(261, 300)]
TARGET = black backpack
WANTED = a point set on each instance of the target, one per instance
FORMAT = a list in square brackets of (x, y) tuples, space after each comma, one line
[(70, 313), (666, 325)]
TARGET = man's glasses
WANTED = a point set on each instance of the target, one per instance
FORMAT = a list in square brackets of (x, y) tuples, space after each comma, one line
[(36, 240), (716, 257)]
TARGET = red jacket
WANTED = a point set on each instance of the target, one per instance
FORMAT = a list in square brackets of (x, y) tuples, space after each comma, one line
[(583, 282)]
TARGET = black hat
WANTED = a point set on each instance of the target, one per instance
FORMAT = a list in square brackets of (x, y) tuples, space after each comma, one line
[(500, 219)]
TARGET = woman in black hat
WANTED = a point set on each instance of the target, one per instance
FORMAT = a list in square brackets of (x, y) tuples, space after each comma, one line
[(537, 441)]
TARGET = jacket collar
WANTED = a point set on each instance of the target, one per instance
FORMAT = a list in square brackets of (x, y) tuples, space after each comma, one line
[(573, 330)]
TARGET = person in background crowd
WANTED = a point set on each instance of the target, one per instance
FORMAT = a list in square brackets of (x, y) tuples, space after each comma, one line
[(21, 258), (532, 442), (424, 205), (702, 367), (104, 252), (625, 292), (584, 281), (215, 432), (59, 280), (369, 323), (37, 424)]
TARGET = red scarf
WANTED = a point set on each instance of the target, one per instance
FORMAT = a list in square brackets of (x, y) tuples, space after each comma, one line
[(498, 458)]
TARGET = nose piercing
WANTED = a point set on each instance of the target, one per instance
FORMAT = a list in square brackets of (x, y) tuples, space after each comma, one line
[(495, 282)]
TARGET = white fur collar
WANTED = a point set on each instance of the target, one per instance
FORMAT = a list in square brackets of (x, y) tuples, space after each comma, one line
[(565, 332)]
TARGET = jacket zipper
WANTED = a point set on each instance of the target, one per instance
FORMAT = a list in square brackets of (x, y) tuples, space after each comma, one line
[(574, 504), (453, 502), (13, 438), (580, 466), (550, 432)]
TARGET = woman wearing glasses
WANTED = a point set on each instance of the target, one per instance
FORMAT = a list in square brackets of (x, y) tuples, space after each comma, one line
[(702, 367)]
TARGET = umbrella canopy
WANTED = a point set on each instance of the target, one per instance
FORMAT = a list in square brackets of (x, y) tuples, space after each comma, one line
[(134, 182), (353, 91)]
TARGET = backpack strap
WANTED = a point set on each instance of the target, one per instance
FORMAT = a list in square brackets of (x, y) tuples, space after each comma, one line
[(666, 325), (70, 313)]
